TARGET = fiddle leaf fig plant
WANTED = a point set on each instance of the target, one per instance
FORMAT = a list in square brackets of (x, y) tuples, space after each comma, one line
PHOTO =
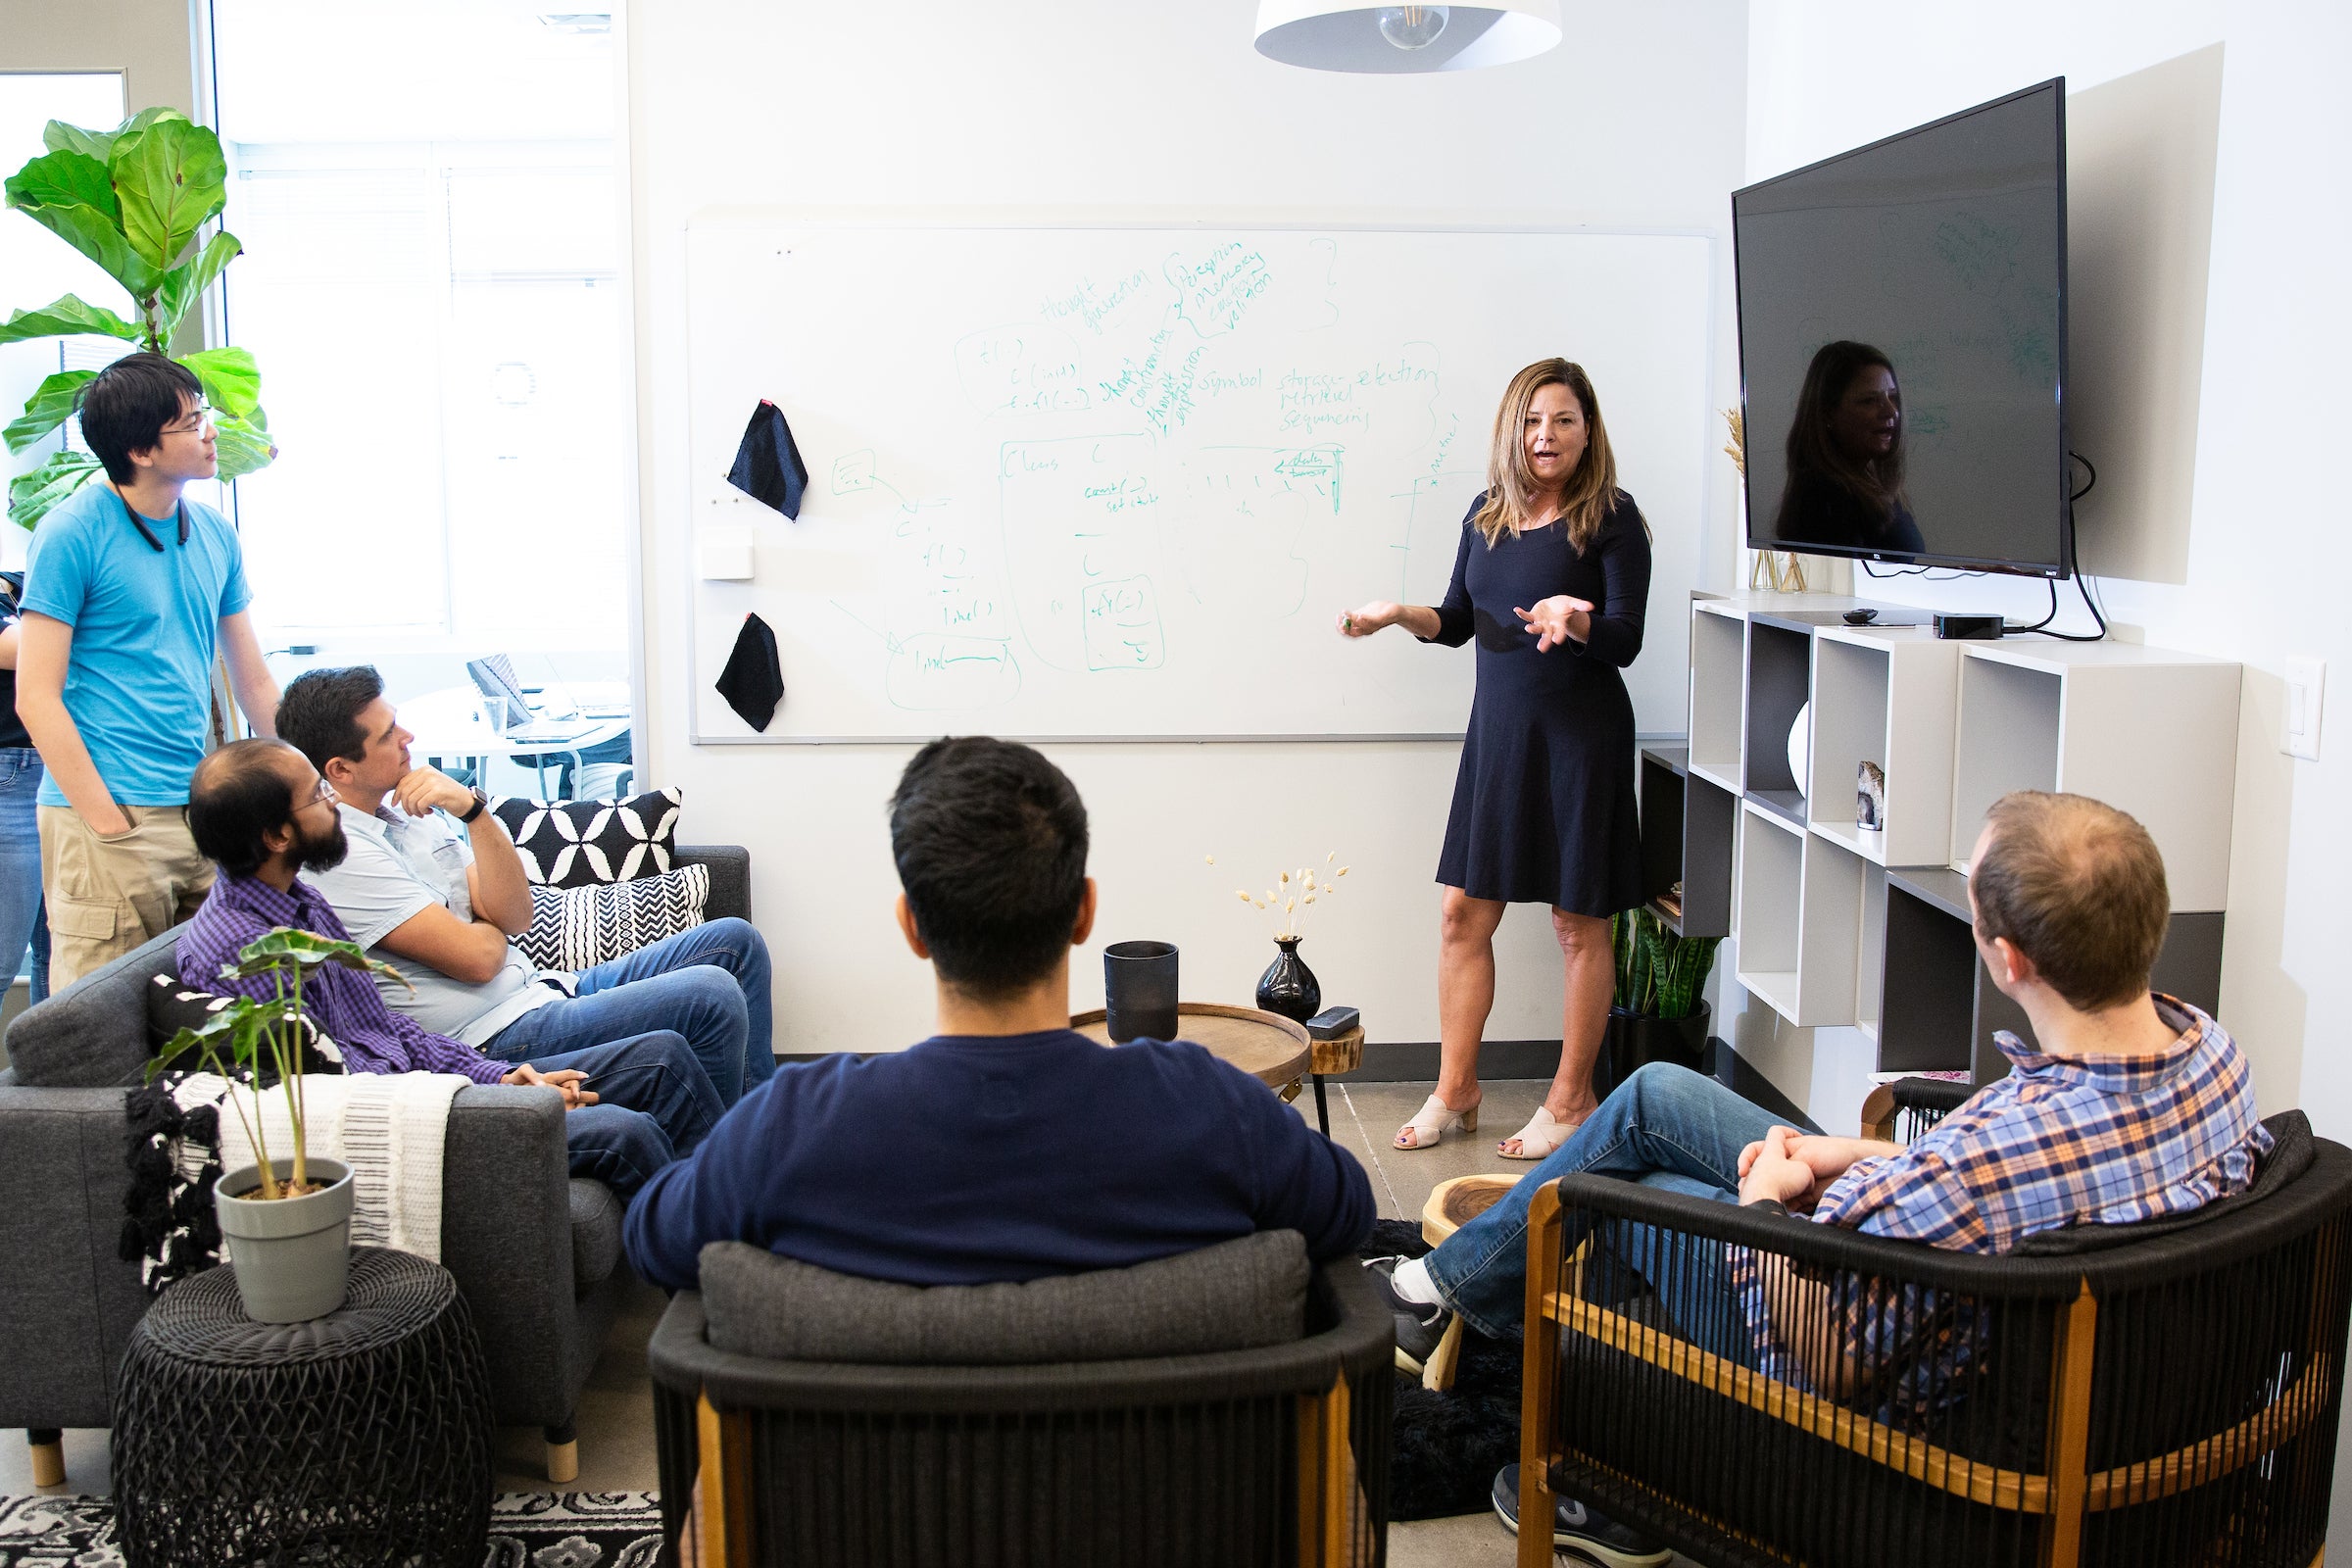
[(134, 200), (253, 1044)]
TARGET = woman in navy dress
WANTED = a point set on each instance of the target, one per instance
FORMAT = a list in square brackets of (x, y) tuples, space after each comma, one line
[(1551, 578)]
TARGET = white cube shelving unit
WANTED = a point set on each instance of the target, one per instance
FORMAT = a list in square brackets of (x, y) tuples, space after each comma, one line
[(2150, 732), (1800, 915), (1718, 675), (1841, 926), (1885, 697)]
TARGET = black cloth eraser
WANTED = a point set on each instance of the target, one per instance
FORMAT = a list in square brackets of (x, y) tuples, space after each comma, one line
[(767, 462), (752, 683), (1331, 1022)]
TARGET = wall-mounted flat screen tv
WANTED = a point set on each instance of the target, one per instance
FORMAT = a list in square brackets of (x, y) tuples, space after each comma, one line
[(1902, 345)]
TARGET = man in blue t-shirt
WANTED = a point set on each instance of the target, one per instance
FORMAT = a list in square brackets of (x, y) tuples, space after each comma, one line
[(1006, 1146), (130, 589)]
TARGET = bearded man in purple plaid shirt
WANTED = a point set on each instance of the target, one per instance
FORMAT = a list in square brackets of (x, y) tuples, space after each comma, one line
[(2129, 1105), (259, 810)]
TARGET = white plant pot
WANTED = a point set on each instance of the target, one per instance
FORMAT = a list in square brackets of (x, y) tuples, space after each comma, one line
[(292, 1254)]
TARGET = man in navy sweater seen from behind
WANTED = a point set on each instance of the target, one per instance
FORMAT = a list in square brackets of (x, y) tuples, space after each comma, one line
[(1005, 1147)]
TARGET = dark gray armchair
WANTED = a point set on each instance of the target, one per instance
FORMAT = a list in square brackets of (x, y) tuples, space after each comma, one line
[(540, 1267), (1227, 1405)]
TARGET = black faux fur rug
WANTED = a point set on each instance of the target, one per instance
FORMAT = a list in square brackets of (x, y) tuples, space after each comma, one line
[(1449, 1445)]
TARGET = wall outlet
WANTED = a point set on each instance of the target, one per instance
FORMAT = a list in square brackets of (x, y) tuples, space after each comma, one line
[(2299, 729)]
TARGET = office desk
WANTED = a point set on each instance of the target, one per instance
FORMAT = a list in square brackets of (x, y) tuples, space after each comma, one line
[(448, 723)]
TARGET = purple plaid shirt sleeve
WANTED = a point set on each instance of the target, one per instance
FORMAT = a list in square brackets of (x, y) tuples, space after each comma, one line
[(343, 1002)]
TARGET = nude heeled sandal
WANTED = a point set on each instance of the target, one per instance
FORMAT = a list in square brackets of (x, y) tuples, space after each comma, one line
[(1432, 1120), (1541, 1136)]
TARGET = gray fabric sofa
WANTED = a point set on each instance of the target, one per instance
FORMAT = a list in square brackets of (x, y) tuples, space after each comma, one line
[(536, 1253)]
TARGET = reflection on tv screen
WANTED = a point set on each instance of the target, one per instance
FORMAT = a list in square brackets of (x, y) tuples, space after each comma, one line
[(1902, 344)]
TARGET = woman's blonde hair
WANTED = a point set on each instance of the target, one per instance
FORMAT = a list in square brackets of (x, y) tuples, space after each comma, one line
[(1512, 488)]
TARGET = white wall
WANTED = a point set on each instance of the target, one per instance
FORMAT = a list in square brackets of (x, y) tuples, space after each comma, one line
[(2248, 546), (1637, 120), (2265, 555)]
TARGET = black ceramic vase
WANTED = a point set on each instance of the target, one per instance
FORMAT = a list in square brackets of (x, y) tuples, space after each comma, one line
[(1287, 987)]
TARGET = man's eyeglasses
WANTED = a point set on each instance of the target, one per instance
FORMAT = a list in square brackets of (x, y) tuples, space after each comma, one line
[(324, 792), (193, 422)]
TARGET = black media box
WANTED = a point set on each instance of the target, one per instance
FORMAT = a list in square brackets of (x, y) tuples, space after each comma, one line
[(1986, 626)]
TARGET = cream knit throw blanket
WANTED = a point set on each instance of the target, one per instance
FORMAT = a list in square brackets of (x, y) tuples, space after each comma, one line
[(389, 1128)]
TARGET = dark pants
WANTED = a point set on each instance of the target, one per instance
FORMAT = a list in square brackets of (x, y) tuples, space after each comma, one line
[(655, 1103)]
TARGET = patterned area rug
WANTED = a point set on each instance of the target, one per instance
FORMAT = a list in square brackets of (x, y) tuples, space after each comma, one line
[(528, 1530)]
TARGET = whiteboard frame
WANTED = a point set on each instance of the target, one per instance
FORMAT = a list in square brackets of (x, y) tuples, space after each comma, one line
[(1280, 221)]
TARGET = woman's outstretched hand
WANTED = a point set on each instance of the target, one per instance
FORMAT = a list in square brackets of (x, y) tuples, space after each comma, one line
[(1366, 620), (1557, 620)]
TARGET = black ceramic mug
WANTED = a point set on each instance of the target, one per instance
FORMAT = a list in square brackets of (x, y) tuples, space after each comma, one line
[(1138, 991)]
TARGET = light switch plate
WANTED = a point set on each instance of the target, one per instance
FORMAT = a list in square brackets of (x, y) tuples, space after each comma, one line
[(2299, 726), (725, 554)]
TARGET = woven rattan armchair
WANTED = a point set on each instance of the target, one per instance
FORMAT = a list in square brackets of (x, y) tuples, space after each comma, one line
[(1275, 1455), (2149, 1395), (1900, 1111)]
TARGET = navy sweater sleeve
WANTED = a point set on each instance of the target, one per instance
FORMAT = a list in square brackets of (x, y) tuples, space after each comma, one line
[(713, 1194), (1615, 637), (1454, 618), (1305, 1182)]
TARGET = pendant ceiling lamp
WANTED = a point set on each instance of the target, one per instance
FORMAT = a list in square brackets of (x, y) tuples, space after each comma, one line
[(1331, 35)]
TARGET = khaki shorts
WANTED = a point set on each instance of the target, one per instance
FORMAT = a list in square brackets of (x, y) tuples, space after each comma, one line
[(107, 896)]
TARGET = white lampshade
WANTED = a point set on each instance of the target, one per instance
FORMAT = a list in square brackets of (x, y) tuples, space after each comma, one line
[(1326, 35)]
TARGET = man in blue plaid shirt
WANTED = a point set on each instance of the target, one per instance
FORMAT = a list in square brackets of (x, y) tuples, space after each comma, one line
[(2135, 1105)]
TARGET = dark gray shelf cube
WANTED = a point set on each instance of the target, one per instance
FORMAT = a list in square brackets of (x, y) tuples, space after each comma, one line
[(1780, 670), (1940, 1010), (1927, 997), (1687, 828), (1664, 770), (1710, 819)]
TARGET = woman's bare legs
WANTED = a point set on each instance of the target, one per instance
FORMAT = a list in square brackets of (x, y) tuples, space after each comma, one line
[(1591, 986), (1465, 994)]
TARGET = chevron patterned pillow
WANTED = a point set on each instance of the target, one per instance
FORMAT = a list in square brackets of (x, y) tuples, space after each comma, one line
[(577, 928), (577, 844)]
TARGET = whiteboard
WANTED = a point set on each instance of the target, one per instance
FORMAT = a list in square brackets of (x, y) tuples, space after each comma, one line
[(1108, 482)]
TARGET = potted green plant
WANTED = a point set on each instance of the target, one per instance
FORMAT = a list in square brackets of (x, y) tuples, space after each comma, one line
[(1657, 1014), (286, 1219), (134, 200)]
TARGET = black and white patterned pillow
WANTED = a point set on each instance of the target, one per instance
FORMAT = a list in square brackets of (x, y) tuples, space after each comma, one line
[(172, 1006), (577, 844), (576, 928)]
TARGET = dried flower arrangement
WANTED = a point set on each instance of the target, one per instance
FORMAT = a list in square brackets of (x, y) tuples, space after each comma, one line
[(1294, 894), (1778, 569)]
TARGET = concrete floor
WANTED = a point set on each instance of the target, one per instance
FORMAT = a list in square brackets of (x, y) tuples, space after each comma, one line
[(616, 1438)]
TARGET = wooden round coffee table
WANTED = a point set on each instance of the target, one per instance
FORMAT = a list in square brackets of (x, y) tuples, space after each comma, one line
[(1266, 1045)]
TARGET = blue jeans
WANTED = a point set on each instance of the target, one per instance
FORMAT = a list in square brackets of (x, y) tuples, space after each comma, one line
[(1665, 1127), (655, 1103), (20, 917), (709, 985)]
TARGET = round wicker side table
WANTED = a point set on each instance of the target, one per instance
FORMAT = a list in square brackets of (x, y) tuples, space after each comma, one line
[(361, 1437)]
